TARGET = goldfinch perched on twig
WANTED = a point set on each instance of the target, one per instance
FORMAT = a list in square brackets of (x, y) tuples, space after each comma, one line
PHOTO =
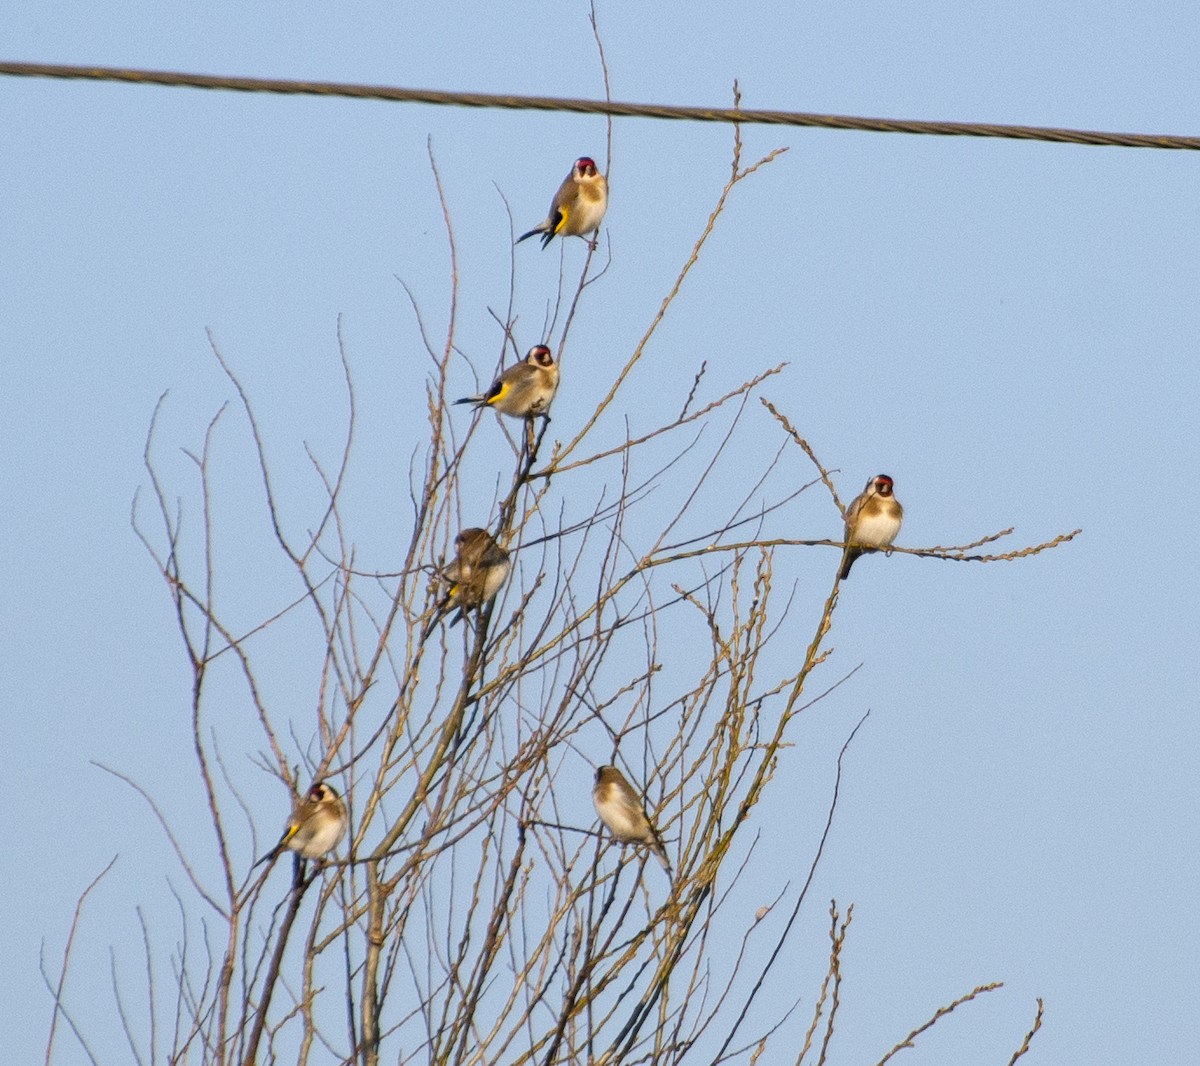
[(479, 568), (872, 521), (578, 206), (317, 825), (524, 390), (622, 811)]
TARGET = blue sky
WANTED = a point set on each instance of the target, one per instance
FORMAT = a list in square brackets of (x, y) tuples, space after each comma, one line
[(1008, 329)]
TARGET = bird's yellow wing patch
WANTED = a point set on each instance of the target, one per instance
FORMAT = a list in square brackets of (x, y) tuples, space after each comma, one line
[(498, 393), (561, 222)]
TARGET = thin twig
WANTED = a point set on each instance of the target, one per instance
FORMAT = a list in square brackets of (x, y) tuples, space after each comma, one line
[(66, 961), (1037, 1024), (940, 1013)]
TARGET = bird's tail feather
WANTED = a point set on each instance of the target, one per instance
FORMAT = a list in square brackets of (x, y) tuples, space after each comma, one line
[(847, 562), (273, 854), (660, 853), (540, 228), (440, 612)]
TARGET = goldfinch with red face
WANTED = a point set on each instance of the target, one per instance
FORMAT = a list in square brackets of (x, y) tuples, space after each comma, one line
[(524, 390), (578, 206), (316, 827), (872, 521), (622, 811)]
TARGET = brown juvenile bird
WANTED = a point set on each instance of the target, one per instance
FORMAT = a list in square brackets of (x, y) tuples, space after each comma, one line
[(524, 390), (622, 811), (872, 521), (317, 825), (578, 206), (479, 568)]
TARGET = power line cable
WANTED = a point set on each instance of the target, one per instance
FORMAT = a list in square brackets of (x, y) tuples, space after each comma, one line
[(600, 107)]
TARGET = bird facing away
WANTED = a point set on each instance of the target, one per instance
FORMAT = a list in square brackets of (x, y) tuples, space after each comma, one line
[(622, 811), (524, 390), (872, 521), (479, 568), (317, 825), (578, 207)]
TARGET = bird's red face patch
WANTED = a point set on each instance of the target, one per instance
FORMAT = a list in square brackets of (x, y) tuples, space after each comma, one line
[(883, 485), (540, 355), (586, 166)]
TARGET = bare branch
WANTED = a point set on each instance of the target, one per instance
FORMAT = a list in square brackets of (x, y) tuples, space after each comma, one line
[(938, 1015), (66, 962)]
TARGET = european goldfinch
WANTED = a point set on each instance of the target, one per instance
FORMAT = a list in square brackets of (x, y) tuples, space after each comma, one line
[(524, 390), (872, 521), (317, 825), (578, 206), (621, 810), (479, 568)]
